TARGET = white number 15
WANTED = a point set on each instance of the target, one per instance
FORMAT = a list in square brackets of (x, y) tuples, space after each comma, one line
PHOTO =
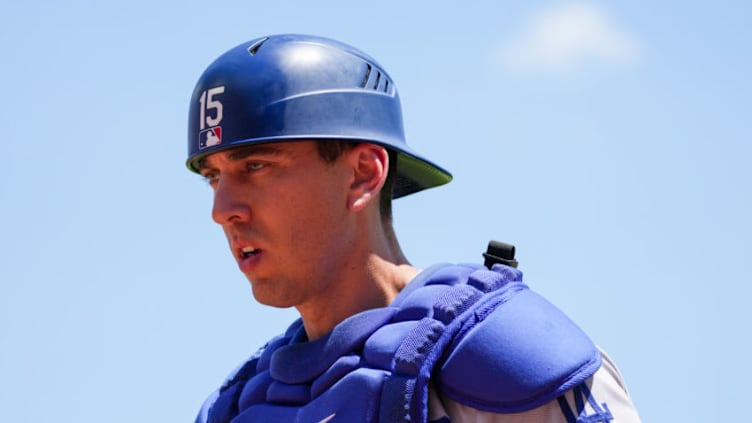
[(208, 103)]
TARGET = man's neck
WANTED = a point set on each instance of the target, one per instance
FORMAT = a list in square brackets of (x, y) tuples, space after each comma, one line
[(370, 279)]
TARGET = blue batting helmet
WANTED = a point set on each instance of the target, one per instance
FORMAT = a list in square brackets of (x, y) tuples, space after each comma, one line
[(299, 87)]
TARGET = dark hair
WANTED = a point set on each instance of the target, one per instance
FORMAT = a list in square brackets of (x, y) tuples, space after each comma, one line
[(331, 150)]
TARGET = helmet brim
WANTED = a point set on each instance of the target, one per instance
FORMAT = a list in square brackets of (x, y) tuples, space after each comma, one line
[(414, 173)]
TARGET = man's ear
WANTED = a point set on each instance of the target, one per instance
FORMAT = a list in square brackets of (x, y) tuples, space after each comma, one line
[(370, 163)]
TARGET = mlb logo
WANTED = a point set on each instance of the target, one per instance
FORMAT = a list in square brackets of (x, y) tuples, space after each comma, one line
[(210, 137)]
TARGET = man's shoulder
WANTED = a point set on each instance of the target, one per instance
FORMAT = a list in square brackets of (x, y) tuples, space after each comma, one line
[(602, 397), (504, 348)]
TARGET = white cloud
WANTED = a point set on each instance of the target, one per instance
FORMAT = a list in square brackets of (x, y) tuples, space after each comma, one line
[(566, 37)]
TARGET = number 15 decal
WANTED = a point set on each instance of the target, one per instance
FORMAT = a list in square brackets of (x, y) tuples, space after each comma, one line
[(211, 109)]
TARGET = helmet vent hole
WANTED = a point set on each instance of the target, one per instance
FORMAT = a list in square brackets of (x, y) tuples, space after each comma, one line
[(254, 48), (366, 76), (374, 79)]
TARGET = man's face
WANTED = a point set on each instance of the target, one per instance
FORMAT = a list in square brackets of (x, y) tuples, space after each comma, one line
[(284, 212)]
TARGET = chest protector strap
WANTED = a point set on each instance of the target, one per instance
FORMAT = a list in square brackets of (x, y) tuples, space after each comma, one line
[(481, 336)]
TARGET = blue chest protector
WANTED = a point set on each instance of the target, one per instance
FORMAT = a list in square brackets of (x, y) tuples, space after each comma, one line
[(481, 336)]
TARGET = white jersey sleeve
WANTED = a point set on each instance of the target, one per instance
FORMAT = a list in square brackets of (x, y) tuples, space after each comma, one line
[(608, 397)]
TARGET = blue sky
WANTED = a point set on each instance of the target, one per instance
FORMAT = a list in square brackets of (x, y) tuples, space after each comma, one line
[(609, 141)]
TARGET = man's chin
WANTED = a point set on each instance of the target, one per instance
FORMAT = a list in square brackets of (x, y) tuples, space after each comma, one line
[(270, 295)]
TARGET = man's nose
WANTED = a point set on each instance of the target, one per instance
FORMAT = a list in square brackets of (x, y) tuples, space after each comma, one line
[(230, 202)]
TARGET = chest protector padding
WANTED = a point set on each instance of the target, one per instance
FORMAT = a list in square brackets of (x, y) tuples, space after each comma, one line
[(481, 336)]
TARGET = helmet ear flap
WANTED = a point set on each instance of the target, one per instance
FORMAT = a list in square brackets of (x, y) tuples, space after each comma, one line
[(296, 87)]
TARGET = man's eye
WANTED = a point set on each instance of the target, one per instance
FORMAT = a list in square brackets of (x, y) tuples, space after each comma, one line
[(255, 166), (209, 177)]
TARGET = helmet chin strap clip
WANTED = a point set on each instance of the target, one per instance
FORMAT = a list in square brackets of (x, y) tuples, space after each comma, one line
[(499, 253)]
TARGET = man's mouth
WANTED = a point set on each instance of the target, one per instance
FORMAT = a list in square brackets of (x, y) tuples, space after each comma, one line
[(248, 252)]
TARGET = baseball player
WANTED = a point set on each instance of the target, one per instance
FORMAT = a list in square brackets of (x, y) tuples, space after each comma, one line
[(301, 140)]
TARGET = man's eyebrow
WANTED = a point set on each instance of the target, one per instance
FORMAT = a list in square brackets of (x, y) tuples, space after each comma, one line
[(241, 153), (254, 150)]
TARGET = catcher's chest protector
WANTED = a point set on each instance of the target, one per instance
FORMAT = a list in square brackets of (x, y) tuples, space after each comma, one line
[(482, 337)]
